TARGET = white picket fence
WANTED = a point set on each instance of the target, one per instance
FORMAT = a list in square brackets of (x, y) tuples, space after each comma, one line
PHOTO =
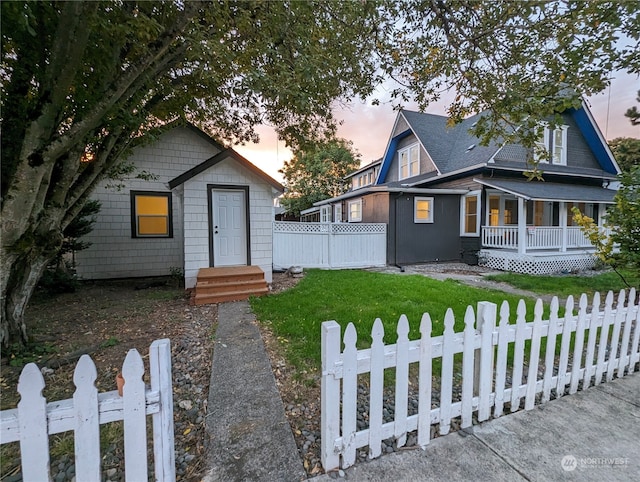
[(606, 344), (35, 420), (329, 245)]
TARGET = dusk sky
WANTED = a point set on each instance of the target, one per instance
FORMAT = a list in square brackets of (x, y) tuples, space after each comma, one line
[(368, 127)]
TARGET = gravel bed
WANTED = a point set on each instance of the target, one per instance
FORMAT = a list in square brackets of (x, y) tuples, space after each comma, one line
[(191, 354)]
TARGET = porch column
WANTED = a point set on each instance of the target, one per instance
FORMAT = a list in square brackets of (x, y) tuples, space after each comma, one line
[(602, 211), (563, 225), (522, 226)]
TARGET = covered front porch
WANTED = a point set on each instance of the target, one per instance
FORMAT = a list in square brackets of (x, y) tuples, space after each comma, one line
[(529, 226)]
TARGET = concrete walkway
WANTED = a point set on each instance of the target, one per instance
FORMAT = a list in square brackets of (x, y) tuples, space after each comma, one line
[(592, 435), (589, 436), (250, 438)]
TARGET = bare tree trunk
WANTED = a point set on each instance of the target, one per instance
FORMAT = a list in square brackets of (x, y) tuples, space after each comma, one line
[(18, 283)]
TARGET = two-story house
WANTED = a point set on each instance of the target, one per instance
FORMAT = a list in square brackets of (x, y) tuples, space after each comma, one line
[(446, 197)]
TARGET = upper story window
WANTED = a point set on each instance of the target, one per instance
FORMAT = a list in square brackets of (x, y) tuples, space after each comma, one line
[(355, 211), (409, 161), (551, 144), (423, 210), (151, 215)]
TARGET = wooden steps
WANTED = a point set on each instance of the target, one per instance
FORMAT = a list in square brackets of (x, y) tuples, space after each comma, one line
[(233, 283)]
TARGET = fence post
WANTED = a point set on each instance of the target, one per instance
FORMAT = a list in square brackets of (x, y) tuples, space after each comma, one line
[(330, 395), (487, 318), (163, 437), (32, 416)]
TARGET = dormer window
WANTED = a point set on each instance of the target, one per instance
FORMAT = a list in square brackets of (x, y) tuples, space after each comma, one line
[(551, 141), (409, 161)]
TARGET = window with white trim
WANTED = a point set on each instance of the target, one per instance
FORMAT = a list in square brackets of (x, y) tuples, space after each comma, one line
[(560, 146), (337, 213), (355, 211), (325, 214), (551, 144), (470, 214), (423, 210), (541, 147), (409, 161)]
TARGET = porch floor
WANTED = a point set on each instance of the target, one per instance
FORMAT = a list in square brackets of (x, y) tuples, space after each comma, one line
[(229, 283)]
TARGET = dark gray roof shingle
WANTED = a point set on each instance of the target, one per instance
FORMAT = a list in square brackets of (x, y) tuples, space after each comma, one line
[(449, 146)]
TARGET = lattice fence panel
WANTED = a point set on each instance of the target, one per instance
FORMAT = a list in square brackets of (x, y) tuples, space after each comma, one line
[(535, 264)]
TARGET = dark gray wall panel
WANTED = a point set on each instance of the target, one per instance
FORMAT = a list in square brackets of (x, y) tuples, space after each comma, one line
[(420, 243)]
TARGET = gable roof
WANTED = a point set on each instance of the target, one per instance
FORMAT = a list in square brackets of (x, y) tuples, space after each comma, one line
[(221, 156), (454, 149), (212, 161)]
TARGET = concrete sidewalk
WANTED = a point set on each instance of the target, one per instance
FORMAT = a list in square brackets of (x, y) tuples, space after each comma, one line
[(589, 436), (250, 438)]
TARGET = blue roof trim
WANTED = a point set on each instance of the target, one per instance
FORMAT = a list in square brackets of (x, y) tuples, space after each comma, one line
[(590, 134), (391, 152)]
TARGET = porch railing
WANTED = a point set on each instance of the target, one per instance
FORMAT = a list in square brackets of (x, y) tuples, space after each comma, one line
[(500, 237), (537, 237)]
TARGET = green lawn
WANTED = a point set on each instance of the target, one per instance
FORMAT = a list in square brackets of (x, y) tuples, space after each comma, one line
[(296, 315), (569, 284)]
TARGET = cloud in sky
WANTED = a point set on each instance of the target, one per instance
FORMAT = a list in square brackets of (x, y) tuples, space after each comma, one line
[(368, 126)]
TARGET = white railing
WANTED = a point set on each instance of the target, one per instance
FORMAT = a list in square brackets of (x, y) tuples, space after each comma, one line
[(537, 237), (606, 344), (329, 245), (35, 420), (500, 237), (543, 237)]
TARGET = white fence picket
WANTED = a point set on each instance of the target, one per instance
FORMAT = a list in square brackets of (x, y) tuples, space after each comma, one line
[(487, 315), (376, 389), (607, 320), (446, 380), (501, 363), (468, 356), (135, 420), (330, 389), (568, 332), (163, 436), (87, 430), (35, 420), (32, 416), (564, 347), (589, 367), (626, 333), (349, 396), (634, 356), (578, 345), (425, 382), (615, 336), (402, 382), (534, 356), (518, 356)]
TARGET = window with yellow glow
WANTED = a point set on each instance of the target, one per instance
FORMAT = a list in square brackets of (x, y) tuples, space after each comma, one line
[(151, 214), (423, 210), (470, 214)]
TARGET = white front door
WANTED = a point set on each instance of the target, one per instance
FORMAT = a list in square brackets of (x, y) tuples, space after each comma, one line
[(229, 225)]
